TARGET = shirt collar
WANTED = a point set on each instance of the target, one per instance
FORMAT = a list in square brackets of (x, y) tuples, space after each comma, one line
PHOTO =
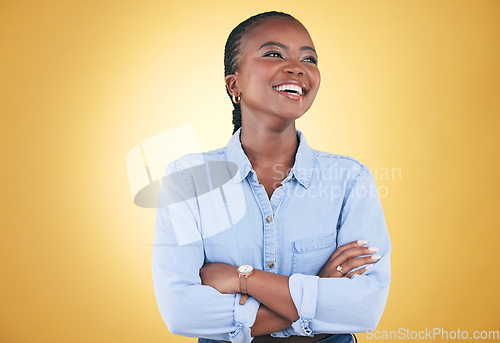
[(302, 170)]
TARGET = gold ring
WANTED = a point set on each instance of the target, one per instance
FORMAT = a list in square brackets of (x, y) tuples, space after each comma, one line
[(339, 269)]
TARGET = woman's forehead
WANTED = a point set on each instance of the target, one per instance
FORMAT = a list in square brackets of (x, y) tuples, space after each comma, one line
[(280, 30)]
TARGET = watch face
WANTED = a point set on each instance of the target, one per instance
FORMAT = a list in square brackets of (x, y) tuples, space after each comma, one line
[(244, 269)]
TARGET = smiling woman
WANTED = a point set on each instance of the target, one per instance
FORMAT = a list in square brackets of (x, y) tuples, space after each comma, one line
[(292, 264), (279, 57)]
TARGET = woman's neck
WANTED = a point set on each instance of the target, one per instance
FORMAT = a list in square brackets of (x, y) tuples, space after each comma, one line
[(266, 148)]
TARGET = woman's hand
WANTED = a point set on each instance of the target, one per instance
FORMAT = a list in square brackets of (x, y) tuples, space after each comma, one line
[(347, 257), (221, 276)]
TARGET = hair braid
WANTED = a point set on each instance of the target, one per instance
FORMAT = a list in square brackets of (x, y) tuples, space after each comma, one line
[(233, 51)]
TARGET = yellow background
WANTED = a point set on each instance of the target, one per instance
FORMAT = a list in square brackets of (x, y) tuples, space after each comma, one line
[(406, 85)]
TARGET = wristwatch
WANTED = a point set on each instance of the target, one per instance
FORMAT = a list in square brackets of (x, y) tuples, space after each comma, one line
[(244, 272)]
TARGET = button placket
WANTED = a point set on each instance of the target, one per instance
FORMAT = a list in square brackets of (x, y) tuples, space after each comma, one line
[(269, 244), (268, 223)]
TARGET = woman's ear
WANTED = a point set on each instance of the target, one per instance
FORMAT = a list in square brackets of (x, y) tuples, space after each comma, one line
[(232, 84)]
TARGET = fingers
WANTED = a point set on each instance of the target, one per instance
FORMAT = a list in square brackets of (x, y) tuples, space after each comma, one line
[(359, 271), (348, 257), (342, 248), (358, 262), (354, 252)]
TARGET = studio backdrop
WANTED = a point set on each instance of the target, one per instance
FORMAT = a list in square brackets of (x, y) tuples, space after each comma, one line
[(409, 88)]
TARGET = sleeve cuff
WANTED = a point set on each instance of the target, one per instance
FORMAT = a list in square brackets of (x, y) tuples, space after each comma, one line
[(304, 292), (284, 333), (244, 318)]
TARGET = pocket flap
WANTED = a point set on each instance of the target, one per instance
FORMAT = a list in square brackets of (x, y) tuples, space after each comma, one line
[(314, 244)]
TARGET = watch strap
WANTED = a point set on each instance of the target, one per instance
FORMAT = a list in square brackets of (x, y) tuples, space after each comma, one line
[(243, 284), (243, 299)]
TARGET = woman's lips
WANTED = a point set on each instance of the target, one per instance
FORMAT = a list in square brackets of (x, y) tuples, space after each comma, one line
[(291, 96), (292, 89)]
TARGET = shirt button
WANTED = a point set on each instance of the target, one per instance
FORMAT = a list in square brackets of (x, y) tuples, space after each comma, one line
[(270, 264), (269, 219)]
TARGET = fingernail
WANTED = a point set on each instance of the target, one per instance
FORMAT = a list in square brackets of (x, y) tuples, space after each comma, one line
[(362, 242), (373, 249), (376, 257), (368, 266)]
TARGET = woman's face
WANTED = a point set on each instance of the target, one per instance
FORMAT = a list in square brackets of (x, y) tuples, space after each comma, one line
[(278, 77)]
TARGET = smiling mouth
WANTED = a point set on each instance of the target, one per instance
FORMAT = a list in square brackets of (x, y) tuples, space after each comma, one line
[(290, 89), (293, 92)]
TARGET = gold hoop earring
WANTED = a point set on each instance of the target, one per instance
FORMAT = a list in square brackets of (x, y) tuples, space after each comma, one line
[(236, 99)]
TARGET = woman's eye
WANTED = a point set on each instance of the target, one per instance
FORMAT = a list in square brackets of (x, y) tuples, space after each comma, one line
[(311, 59), (273, 54)]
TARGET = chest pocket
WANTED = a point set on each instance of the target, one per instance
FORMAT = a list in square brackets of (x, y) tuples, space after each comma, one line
[(310, 255)]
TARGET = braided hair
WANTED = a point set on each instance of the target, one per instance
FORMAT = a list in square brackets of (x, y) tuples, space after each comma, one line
[(233, 52)]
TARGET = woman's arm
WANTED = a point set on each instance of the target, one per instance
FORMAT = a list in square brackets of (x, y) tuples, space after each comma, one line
[(188, 307), (273, 291), (268, 322), (333, 305)]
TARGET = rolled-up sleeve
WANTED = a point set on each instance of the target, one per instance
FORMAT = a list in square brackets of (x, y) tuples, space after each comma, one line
[(347, 305), (187, 307)]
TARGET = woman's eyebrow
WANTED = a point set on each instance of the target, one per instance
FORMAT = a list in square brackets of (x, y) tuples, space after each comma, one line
[(283, 46)]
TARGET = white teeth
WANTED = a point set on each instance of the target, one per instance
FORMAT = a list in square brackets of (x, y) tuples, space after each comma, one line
[(290, 87)]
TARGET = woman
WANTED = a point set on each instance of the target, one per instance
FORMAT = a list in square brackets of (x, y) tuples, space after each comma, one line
[(283, 251)]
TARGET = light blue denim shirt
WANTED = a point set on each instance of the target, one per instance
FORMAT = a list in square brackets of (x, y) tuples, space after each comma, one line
[(213, 209)]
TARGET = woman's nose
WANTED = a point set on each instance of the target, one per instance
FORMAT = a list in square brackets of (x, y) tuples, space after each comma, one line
[(293, 68)]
